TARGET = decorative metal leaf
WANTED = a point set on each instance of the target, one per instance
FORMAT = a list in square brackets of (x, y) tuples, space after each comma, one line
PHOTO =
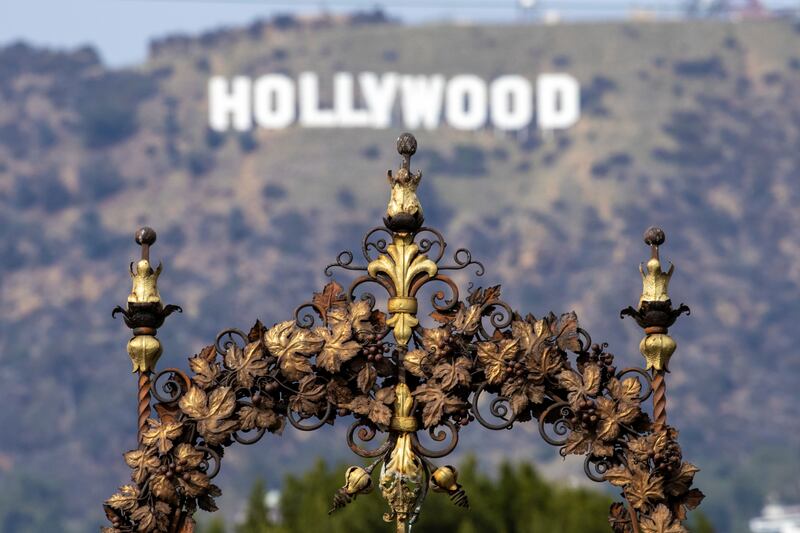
[(161, 434), (249, 363), (332, 295), (468, 319), (522, 392), (625, 390), (581, 385), (187, 456), (436, 404), (566, 332), (125, 499), (613, 413), (682, 480), (366, 378), (143, 462), (337, 346), (204, 367), (292, 346), (310, 397), (494, 356), (481, 296), (661, 521), (163, 488), (619, 519), (645, 488), (211, 412), (415, 362), (145, 518), (453, 374)]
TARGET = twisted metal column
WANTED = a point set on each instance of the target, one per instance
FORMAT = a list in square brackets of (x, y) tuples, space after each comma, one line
[(144, 403), (659, 400)]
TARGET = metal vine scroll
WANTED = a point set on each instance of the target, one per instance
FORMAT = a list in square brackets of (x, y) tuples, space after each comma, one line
[(340, 359)]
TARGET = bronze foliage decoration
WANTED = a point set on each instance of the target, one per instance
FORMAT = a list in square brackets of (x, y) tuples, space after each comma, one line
[(342, 359)]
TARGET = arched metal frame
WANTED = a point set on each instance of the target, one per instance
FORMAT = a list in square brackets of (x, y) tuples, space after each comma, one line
[(340, 357)]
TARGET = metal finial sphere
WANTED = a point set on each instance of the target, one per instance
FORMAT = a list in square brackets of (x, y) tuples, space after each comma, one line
[(406, 145), (654, 236), (145, 235)]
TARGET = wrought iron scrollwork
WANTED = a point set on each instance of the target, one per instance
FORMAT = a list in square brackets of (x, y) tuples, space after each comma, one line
[(398, 375), (170, 390), (557, 418), (223, 346), (366, 432), (498, 408)]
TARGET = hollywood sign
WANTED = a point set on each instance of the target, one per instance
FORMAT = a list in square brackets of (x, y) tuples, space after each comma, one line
[(369, 100)]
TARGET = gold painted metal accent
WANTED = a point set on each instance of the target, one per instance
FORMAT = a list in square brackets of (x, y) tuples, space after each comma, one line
[(445, 479), (357, 481), (144, 351), (404, 423), (403, 405), (402, 305), (403, 200), (655, 282), (145, 283), (402, 264), (657, 349), (402, 476)]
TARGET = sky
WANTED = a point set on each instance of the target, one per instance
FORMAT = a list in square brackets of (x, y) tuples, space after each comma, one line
[(121, 29)]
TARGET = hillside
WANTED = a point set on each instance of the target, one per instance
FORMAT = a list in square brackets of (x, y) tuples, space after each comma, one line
[(694, 126)]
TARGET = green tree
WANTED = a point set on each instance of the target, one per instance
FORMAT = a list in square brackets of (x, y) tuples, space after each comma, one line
[(256, 519), (701, 524), (216, 525), (516, 500)]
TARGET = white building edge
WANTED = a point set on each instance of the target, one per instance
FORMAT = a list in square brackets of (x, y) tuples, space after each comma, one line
[(777, 518)]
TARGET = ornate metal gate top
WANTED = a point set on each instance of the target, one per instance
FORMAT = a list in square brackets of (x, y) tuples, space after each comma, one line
[(341, 357)]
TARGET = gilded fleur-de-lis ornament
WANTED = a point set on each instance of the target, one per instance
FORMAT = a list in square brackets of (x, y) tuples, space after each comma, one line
[(402, 265)]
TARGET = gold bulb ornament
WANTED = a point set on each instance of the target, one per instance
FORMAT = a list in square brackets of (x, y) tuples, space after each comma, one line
[(445, 479), (357, 481), (144, 351), (657, 349)]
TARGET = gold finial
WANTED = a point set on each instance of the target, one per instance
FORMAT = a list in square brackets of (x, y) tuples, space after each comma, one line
[(404, 212), (145, 279), (403, 263), (655, 282), (145, 312), (654, 312)]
